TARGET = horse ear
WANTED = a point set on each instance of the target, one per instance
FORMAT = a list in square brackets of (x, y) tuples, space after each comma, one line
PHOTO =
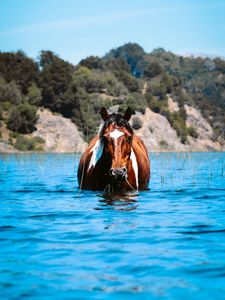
[(127, 114), (104, 113)]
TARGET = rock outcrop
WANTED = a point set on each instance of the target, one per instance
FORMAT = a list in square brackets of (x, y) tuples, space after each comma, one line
[(205, 141), (172, 105), (6, 148), (59, 133), (157, 133)]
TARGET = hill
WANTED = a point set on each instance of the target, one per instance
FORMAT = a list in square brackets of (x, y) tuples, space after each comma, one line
[(125, 76)]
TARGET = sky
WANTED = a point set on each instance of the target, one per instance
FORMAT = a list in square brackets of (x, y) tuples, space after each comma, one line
[(75, 29)]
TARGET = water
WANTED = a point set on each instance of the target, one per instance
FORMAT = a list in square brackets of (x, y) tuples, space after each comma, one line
[(59, 243)]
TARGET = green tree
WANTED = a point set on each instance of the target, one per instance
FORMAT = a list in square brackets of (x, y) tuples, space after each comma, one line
[(9, 92), (116, 64), (22, 118), (92, 62), (16, 66), (129, 81), (34, 95), (55, 80), (131, 53), (153, 70)]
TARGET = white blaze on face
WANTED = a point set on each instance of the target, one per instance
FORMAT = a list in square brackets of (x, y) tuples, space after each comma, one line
[(134, 165), (98, 148), (96, 154), (115, 134)]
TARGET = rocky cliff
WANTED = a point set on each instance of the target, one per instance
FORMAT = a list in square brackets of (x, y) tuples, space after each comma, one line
[(62, 136), (59, 133), (158, 134)]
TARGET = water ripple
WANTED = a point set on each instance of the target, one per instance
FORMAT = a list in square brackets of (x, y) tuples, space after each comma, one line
[(58, 242), (203, 231)]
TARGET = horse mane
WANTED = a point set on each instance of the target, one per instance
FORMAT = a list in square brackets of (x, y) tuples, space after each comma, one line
[(119, 120)]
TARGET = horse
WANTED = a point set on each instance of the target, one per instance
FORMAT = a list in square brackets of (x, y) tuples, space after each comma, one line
[(115, 159)]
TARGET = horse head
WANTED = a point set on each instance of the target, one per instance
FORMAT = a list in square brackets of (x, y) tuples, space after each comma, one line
[(116, 136), (115, 159)]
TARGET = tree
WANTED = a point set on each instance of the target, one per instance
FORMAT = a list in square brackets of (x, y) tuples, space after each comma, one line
[(47, 58), (131, 53), (55, 80), (9, 92), (116, 64), (129, 81), (92, 62), (34, 95), (16, 66), (153, 70), (22, 118)]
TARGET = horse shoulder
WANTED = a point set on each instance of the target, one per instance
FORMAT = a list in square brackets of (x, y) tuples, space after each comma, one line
[(86, 156), (141, 155), (139, 148)]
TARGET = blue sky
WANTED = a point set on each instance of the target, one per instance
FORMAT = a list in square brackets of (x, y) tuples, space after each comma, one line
[(75, 29)]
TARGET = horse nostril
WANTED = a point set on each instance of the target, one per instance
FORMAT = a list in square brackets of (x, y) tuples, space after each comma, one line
[(118, 173), (112, 172), (124, 169)]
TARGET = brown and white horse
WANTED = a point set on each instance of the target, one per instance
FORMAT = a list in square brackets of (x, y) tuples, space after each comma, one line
[(116, 159)]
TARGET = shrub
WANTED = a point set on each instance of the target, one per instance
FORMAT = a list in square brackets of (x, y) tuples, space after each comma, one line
[(158, 106), (192, 132), (24, 143), (6, 105), (178, 123), (39, 140), (14, 135), (163, 144), (22, 118), (135, 101)]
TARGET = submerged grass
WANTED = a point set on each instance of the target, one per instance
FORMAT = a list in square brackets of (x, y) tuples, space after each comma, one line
[(185, 167)]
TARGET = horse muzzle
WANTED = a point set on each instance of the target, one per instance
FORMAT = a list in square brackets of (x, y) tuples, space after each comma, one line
[(118, 174)]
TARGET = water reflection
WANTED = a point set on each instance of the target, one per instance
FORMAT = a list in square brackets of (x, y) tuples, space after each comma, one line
[(126, 201)]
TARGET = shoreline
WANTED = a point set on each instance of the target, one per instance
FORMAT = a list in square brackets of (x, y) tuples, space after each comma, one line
[(76, 153)]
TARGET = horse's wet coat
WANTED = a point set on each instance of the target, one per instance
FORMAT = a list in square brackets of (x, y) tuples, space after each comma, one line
[(116, 159)]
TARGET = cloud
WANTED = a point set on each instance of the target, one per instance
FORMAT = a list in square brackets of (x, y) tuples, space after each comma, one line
[(71, 23), (85, 22)]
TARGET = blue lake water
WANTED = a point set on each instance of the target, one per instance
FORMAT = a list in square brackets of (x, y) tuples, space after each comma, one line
[(57, 242)]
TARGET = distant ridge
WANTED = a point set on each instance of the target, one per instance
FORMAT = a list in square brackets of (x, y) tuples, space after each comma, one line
[(126, 76), (203, 55)]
